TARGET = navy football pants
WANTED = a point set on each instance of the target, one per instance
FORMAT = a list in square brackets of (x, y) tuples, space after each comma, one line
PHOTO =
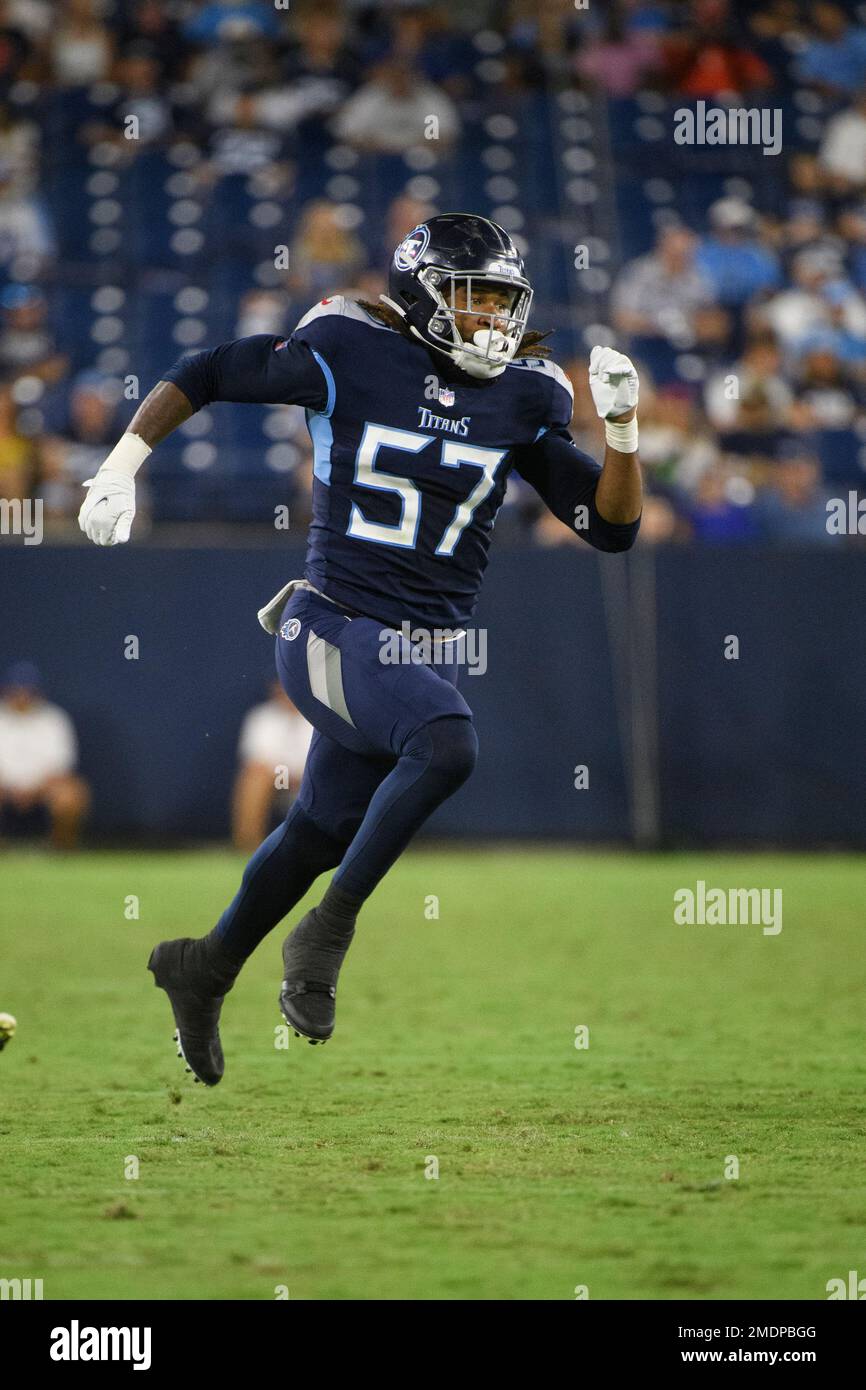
[(392, 741)]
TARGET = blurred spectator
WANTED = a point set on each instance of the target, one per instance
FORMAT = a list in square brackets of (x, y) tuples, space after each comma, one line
[(139, 74), (68, 458), (225, 21), (821, 296), (794, 507), (38, 754), (842, 155), (760, 367), (826, 397), (834, 57), (15, 46), (153, 23), (659, 294), (396, 111), (261, 311), (732, 257), (403, 215), (19, 149), (325, 254), (273, 747), (714, 514), (675, 448), (27, 244), (16, 452), (319, 74), (710, 56), (422, 41), (81, 47), (27, 344), (620, 58)]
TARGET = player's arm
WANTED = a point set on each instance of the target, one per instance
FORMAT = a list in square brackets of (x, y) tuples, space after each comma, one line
[(262, 369), (601, 502)]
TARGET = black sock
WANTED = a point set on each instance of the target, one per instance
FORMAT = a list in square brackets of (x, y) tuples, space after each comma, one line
[(219, 969), (339, 909), (316, 948)]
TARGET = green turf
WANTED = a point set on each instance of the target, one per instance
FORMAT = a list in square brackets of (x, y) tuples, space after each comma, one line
[(558, 1167)]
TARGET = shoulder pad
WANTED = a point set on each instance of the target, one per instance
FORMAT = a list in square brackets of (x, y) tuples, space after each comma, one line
[(545, 366), (338, 305)]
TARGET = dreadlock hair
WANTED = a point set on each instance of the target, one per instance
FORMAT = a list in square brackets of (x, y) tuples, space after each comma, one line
[(383, 313)]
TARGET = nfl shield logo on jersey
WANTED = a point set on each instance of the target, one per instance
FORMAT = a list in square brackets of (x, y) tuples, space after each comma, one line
[(446, 396)]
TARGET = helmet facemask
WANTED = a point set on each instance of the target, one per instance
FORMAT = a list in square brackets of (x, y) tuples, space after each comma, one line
[(489, 351)]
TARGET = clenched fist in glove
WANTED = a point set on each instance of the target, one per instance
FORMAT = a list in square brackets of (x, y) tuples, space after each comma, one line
[(613, 382), (108, 510)]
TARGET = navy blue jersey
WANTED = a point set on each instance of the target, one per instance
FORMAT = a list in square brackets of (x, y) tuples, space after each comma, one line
[(411, 457)]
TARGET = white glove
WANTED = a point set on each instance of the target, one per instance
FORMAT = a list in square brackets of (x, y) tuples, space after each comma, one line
[(109, 507), (613, 382)]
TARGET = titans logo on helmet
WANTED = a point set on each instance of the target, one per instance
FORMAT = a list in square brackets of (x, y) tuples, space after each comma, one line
[(410, 251)]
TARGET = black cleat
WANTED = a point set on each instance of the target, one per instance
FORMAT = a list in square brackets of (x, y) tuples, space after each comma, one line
[(312, 957), (196, 977), (308, 1006)]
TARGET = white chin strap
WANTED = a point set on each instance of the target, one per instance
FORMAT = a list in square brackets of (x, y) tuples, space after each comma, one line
[(497, 353)]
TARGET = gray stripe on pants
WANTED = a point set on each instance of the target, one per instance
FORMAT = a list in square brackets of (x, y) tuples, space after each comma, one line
[(324, 668)]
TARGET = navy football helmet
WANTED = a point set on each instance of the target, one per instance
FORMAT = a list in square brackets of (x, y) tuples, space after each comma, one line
[(437, 278)]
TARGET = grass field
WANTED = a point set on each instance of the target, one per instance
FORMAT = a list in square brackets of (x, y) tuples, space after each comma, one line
[(558, 1166)]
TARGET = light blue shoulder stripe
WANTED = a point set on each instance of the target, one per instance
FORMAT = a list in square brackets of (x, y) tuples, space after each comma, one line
[(319, 425), (329, 378)]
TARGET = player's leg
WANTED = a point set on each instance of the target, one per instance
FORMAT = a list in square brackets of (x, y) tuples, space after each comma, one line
[(197, 974), (405, 710)]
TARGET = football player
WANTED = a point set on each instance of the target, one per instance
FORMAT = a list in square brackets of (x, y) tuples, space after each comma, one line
[(418, 407)]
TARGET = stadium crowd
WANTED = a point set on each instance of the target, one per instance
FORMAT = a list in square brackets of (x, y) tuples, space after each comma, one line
[(744, 306)]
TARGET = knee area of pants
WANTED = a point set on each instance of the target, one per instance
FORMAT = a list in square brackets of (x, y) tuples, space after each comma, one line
[(453, 749)]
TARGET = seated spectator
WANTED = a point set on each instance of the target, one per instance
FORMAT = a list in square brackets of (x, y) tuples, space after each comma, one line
[(392, 113), (139, 75), (793, 509), (320, 72), (826, 396), (19, 149), (16, 452), (710, 56), (27, 243), (274, 743), (65, 459), (421, 39), (81, 47), (223, 21), (733, 257), (658, 295), (152, 22), (754, 432), (716, 518), (834, 56), (324, 255), (852, 226), (27, 345), (842, 156), (821, 296), (675, 447), (38, 754), (659, 522), (759, 367), (620, 58)]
